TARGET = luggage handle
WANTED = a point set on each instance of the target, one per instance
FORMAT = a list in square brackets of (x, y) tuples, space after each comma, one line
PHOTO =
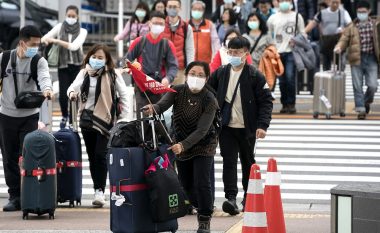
[(151, 122), (334, 68), (74, 115)]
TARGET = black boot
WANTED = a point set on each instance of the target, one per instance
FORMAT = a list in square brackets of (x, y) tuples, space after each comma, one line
[(203, 224), (13, 205), (284, 109), (230, 207), (292, 109)]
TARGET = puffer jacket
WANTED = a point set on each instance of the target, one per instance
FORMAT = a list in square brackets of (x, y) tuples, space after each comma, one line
[(351, 40), (303, 53), (270, 65)]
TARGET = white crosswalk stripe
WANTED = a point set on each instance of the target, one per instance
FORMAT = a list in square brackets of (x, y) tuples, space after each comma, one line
[(315, 157)]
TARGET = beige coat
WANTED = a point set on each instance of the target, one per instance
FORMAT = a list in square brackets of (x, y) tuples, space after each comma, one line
[(351, 39)]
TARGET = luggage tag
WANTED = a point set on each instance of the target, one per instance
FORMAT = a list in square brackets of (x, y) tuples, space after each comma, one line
[(119, 199), (325, 101)]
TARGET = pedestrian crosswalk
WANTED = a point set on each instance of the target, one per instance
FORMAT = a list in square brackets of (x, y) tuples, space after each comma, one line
[(312, 155)]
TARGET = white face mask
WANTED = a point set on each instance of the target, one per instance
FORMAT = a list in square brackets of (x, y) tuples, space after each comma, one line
[(195, 83), (71, 21), (157, 29)]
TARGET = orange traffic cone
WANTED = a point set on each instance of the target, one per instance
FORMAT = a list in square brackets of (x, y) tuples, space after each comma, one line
[(255, 219), (272, 199)]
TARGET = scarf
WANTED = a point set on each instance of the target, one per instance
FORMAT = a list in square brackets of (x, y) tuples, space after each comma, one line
[(104, 102), (64, 54)]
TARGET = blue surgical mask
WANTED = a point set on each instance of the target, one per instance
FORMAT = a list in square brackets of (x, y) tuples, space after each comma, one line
[(234, 61), (284, 6), (172, 12), (140, 13), (96, 64), (197, 14), (31, 51), (362, 16), (253, 25)]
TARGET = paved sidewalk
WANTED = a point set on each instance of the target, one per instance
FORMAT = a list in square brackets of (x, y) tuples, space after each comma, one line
[(85, 219)]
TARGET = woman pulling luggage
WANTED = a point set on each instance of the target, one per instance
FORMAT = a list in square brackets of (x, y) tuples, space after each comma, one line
[(97, 86), (194, 108)]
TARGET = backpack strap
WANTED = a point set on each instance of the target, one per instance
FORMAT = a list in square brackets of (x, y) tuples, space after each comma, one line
[(141, 46), (34, 70), (4, 64), (296, 29), (185, 27), (13, 65)]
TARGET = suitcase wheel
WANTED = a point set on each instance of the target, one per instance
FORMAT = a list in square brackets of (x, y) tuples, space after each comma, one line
[(342, 114), (51, 215), (315, 115), (328, 116), (25, 215)]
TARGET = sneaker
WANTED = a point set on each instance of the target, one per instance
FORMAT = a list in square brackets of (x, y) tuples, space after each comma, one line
[(99, 200), (361, 116), (367, 108), (62, 125), (284, 108), (230, 207), (13, 205)]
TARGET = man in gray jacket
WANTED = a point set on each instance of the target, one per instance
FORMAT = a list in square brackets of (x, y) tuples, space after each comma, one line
[(15, 122)]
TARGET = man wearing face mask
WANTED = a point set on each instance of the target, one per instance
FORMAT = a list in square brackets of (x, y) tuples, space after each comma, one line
[(246, 105), (206, 40), (156, 55), (283, 26), (69, 36), (361, 39), (15, 122), (181, 34)]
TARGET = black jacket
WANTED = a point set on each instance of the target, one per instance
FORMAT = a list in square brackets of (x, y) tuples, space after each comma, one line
[(306, 9), (256, 98)]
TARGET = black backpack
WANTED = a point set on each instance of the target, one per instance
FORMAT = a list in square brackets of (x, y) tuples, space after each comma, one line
[(33, 68), (217, 122)]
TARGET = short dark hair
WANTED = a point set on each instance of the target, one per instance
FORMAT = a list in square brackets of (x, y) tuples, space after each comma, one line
[(263, 25), (239, 42), (29, 31), (157, 14), (363, 4), (203, 64), (233, 16), (109, 62), (229, 32), (72, 7)]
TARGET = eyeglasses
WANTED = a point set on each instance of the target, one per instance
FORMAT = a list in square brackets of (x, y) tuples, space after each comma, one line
[(197, 75), (235, 52)]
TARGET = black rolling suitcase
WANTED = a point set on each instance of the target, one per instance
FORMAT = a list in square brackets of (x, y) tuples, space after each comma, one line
[(130, 200), (38, 174), (69, 161)]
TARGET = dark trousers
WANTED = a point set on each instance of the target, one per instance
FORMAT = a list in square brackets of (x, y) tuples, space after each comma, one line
[(12, 134), (233, 143), (194, 175), (288, 79), (66, 77), (96, 147)]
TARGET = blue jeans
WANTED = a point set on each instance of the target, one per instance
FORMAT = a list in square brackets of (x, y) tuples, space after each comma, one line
[(288, 79), (367, 70)]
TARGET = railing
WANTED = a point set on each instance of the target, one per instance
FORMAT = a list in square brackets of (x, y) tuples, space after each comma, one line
[(101, 27)]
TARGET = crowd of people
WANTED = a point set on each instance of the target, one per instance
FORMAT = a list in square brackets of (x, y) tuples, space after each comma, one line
[(228, 63)]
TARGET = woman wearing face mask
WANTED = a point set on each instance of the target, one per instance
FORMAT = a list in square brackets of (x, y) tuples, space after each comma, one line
[(70, 38), (221, 57), (258, 37), (194, 108), (159, 5), (96, 86), (137, 25)]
